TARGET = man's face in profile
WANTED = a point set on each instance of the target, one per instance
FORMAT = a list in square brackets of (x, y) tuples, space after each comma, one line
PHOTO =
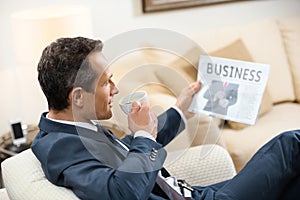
[(100, 102)]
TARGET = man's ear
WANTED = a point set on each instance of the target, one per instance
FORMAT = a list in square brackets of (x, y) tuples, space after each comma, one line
[(77, 97)]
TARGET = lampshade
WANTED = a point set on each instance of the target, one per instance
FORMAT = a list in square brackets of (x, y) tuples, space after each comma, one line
[(34, 29)]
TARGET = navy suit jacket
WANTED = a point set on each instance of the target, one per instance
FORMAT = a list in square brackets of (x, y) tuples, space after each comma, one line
[(94, 167)]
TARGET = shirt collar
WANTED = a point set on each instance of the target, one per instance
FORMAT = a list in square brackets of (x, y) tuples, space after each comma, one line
[(80, 124)]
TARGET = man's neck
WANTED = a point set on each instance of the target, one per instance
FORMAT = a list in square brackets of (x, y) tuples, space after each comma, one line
[(64, 115), (68, 115)]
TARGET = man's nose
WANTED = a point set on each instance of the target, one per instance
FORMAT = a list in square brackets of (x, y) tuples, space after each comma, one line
[(115, 90)]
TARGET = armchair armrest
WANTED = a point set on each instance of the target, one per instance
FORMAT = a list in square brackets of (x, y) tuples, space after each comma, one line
[(201, 165)]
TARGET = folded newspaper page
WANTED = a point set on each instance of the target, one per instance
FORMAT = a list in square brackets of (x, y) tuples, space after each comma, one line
[(232, 89)]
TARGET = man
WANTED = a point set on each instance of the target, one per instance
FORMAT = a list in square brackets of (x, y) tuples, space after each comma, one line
[(78, 153)]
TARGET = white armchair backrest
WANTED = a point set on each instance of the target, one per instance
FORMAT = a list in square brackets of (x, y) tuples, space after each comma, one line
[(24, 179)]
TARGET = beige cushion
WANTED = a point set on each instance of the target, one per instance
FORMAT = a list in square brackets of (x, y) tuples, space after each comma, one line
[(163, 75), (234, 50), (290, 29), (264, 42), (200, 129), (24, 179), (242, 144), (175, 71), (237, 50)]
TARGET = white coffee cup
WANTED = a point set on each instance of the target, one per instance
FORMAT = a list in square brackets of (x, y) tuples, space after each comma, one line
[(126, 101)]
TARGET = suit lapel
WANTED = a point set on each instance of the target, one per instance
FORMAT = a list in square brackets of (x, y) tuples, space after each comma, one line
[(101, 147)]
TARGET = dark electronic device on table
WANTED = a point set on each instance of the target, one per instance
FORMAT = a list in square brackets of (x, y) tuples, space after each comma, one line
[(18, 139)]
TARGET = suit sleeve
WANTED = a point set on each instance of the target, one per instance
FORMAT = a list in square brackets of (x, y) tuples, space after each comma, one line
[(170, 124)]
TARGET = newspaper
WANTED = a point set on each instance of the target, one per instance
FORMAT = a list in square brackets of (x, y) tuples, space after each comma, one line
[(231, 90)]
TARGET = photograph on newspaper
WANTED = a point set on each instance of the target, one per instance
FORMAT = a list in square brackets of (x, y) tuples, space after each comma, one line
[(231, 90)]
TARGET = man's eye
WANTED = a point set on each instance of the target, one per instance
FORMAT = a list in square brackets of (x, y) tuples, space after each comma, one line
[(107, 82)]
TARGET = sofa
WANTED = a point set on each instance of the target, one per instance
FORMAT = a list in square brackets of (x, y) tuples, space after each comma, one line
[(275, 42), (163, 73)]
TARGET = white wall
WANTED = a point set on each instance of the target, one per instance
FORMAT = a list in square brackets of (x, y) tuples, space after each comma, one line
[(109, 18)]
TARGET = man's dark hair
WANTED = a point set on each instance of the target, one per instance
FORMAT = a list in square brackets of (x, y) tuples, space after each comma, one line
[(63, 66)]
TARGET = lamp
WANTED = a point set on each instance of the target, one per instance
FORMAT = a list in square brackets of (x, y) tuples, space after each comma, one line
[(32, 31)]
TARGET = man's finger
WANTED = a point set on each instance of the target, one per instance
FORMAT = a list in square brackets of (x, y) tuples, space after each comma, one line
[(196, 86), (145, 106), (136, 106)]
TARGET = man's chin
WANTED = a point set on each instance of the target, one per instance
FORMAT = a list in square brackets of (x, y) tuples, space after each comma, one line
[(104, 117)]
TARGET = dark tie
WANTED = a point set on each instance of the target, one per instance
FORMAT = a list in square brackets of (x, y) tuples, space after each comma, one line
[(168, 190), (110, 136)]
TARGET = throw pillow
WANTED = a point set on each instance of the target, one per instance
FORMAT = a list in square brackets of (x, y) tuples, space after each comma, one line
[(237, 50), (174, 72), (265, 43)]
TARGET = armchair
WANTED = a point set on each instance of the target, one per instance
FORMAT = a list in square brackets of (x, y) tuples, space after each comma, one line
[(200, 165)]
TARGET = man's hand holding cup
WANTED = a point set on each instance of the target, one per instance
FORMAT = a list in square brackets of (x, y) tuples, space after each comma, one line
[(140, 116)]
